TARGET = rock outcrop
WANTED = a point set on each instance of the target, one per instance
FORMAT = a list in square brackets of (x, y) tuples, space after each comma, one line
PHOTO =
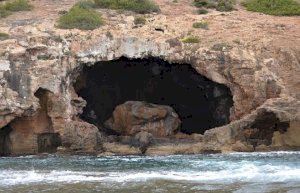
[(144, 140), (258, 61), (82, 137), (133, 117)]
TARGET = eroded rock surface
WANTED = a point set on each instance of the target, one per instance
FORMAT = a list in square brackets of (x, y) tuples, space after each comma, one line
[(144, 140), (258, 61), (82, 137)]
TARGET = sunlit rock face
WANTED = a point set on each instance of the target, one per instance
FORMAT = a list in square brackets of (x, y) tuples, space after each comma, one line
[(200, 103), (32, 134), (243, 96)]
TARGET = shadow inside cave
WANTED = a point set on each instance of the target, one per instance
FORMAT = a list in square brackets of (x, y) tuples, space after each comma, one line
[(5, 141), (200, 103)]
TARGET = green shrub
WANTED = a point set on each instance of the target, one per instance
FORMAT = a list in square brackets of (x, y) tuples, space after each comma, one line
[(202, 11), (86, 4), (139, 20), (11, 6), (3, 36), (80, 18), (4, 12), (190, 39), (201, 3), (273, 7), (201, 24), (206, 3), (225, 5), (220, 5), (18, 5), (138, 6)]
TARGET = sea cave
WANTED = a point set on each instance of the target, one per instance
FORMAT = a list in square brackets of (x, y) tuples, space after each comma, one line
[(200, 103)]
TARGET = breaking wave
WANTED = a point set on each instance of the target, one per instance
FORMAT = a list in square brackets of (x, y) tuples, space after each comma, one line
[(216, 169)]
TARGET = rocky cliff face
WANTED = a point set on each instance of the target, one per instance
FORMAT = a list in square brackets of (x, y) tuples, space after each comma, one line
[(255, 56)]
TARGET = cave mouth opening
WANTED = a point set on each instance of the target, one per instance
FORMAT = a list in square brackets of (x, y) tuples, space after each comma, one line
[(261, 131), (200, 103)]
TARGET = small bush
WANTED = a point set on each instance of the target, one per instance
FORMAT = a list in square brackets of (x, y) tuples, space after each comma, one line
[(18, 5), (190, 39), (138, 6), (87, 4), (3, 36), (80, 18), (139, 20), (4, 12), (225, 5), (201, 3), (202, 25), (219, 5), (202, 11), (12, 6), (273, 7)]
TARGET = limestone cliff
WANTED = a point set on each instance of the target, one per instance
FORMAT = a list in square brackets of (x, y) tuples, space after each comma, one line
[(256, 56)]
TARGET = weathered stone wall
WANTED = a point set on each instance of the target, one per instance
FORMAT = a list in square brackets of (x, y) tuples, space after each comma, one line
[(259, 63)]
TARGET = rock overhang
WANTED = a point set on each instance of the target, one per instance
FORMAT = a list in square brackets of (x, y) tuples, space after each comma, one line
[(257, 71)]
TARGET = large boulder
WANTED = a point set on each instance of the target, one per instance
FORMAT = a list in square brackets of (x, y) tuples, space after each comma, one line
[(82, 137), (133, 117)]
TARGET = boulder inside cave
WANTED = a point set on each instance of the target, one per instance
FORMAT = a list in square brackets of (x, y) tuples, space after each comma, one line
[(200, 103)]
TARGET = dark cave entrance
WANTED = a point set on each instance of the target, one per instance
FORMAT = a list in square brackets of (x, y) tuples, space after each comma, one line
[(5, 141), (48, 142), (201, 103), (261, 131)]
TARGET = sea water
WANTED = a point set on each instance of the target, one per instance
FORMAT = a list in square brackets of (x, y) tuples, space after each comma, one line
[(236, 172)]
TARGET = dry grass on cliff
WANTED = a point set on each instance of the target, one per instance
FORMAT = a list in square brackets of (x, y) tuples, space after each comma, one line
[(86, 4), (18, 5), (139, 20), (3, 36), (190, 40), (4, 12), (201, 24), (80, 17), (13, 6), (138, 6), (219, 5), (273, 7)]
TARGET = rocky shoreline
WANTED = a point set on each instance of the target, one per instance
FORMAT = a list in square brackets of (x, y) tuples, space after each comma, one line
[(254, 56)]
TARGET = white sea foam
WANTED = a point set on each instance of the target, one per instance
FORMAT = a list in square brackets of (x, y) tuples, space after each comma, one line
[(213, 169), (266, 153), (245, 173)]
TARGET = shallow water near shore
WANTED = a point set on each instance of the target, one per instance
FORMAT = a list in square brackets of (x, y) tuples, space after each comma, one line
[(236, 172)]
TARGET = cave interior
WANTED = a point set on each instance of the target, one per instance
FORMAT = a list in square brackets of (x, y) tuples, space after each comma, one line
[(200, 103), (4, 140), (262, 129)]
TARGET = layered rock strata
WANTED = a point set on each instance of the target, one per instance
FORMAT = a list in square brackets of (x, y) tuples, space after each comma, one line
[(256, 56)]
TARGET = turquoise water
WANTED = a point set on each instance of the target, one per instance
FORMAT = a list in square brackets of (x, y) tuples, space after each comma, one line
[(238, 172)]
